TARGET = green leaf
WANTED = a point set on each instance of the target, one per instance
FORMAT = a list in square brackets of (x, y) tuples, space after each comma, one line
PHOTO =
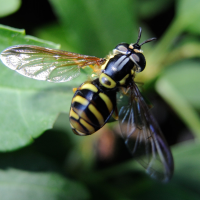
[(96, 27), (8, 7), (12, 36), (37, 171), (130, 183), (149, 9), (55, 32), (179, 86), (28, 107), (171, 191), (188, 15), (184, 76), (188, 48), (187, 164), (16, 184), (30, 159)]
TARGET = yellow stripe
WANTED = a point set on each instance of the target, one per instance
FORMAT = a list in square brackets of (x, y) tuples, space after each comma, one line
[(73, 114), (88, 126), (107, 101), (80, 133), (89, 86), (80, 100), (138, 51), (106, 81), (76, 125), (97, 114), (83, 114), (76, 131), (107, 60), (132, 72), (74, 90), (122, 82), (104, 65)]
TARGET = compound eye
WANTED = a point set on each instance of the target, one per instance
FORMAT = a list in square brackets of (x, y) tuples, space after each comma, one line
[(139, 60), (121, 48), (135, 58)]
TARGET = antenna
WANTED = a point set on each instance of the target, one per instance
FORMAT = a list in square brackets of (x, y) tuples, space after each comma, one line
[(139, 35), (149, 40), (146, 41)]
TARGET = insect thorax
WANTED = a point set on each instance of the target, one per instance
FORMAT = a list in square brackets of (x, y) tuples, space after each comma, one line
[(117, 71), (121, 65)]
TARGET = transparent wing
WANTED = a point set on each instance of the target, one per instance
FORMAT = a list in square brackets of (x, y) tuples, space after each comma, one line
[(143, 137), (46, 64)]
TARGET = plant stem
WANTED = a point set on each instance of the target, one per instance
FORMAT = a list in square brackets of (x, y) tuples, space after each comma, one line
[(156, 60), (180, 105)]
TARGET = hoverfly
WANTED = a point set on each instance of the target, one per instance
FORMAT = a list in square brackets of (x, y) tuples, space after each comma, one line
[(94, 102)]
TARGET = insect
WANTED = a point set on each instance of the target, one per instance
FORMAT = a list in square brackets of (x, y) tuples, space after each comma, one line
[(94, 101)]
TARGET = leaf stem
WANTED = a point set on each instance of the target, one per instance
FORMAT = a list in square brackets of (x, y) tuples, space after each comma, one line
[(180, 105), (156, 59)]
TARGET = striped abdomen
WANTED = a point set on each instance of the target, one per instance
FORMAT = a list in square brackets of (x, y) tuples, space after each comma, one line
[(91, 108)]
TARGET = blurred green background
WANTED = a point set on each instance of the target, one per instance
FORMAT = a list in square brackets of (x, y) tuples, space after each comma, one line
[(40, 156)]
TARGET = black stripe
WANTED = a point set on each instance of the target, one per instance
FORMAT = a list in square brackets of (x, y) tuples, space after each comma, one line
[(84, 128), (101, 106), (98, 103), (90, 115)]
